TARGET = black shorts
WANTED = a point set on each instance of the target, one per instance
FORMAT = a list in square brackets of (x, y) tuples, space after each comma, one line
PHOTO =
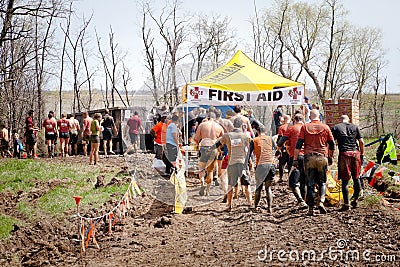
[(107, 134), (86, 139), (73, 138), (3, 144), (134, 138), (30, 138), (50, 136), (63, 135)]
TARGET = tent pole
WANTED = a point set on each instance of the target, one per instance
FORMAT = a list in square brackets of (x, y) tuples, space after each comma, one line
[(187, 133)]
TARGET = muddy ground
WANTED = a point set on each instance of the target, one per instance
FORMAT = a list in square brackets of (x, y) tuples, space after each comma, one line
[(207, 236)]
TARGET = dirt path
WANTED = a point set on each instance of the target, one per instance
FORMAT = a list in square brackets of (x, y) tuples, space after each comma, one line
[(209, 236)]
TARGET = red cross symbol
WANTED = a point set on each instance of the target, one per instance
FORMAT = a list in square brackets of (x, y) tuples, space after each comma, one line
[(196, 92), (294, 93)]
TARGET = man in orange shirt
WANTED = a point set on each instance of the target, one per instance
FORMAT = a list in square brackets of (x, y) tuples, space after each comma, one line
[(316, 138), (263, 147), (156, 132), (296, 174)]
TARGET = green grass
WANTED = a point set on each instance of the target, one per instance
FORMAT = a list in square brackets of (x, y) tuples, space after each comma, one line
[(61, 198), (372, 200), (17, 175), (22, 174), (394, 188), (6, 225), (26, 209)]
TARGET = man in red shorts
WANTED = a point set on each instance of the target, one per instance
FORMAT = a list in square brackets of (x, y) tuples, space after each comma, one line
[(351, 153), (316, 137)]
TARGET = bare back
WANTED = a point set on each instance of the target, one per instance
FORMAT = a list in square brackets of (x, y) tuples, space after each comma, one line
[(208, 129), (226, 124)]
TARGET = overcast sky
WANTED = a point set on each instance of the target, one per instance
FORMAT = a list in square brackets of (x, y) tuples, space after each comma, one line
[(124, 17)]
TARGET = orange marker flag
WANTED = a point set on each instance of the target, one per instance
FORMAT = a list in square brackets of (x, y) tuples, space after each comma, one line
[(89, 234), (110, 216), (94, 239)]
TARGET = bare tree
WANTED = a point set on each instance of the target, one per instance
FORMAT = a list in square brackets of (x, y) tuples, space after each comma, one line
[(25, 45), (89, 75), (365, 53), (63, 51), (171, 29), (111, 67), (212, 41), (75, 60), (148, 41), (42, 49)]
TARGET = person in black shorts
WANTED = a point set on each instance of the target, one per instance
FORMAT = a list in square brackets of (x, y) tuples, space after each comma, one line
[(74, 128), (263, 147), (30, 135), (108, 129)]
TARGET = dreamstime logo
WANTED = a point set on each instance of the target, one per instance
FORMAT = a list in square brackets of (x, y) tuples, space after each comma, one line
[(338, 253), (341, 243)]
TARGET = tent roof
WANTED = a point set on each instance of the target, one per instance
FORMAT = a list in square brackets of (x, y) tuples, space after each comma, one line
[(241, 74)]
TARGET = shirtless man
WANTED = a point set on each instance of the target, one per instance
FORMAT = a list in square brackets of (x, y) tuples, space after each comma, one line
[(238, 109), (206, 135), (227, 125)]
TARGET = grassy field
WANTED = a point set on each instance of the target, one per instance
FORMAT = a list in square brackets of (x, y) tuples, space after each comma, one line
[(46, 188)]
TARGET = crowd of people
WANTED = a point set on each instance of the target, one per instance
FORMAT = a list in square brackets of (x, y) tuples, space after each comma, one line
[(65, 132), (233, 148)]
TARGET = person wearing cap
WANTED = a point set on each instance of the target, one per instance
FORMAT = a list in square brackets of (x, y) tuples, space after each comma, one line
[(318, 152), (156, 132), (351, 154), (307, 107)]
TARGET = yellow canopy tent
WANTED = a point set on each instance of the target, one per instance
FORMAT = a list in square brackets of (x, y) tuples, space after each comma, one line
[(242, 80)]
